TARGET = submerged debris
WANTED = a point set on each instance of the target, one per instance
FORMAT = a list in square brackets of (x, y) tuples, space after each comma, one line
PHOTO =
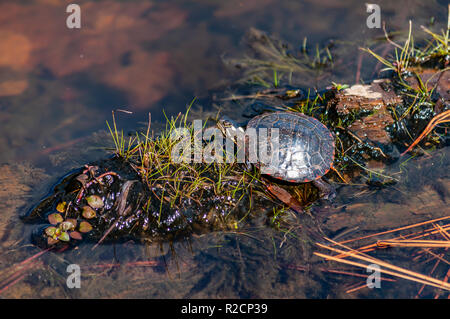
[(368, 104)]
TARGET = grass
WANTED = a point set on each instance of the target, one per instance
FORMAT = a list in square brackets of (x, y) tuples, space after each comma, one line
[(174, 183), (407, 57), (123, 149), (407, 64), (407, 54)]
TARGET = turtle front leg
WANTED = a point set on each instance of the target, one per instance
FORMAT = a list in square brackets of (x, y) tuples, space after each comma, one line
[(326, 190)]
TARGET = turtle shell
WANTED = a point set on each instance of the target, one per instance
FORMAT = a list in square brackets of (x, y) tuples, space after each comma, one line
[(305, 148)]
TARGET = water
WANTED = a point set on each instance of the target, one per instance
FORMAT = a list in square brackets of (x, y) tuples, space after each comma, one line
[(58, 86)]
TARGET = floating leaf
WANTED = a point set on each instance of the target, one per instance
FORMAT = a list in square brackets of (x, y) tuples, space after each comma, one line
[(64, 236), (66, 225), (51, 241), (76, 235), (88, 212), (61, 207), (50, 231), (95, 201), (73, 221), (85, 227), (57, 233), (55, 218)]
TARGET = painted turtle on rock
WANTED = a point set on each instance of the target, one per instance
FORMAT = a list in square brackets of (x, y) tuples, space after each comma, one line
[(305, 148)]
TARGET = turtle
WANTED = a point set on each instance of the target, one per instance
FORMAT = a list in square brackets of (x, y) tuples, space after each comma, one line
[(305, 152)]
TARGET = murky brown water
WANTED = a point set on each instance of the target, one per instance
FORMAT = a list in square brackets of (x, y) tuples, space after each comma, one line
[(58, 87)]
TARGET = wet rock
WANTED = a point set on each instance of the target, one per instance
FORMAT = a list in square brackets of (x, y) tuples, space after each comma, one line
[(126, 208)]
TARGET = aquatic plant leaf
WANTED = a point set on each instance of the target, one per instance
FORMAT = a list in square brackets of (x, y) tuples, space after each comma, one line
[(55, 218), (76, 235), (95, 201), (61, 207), (51, 241), (64, 236), (73, 221), (88, 212), (50, 231), (85, 227), (66, 225)]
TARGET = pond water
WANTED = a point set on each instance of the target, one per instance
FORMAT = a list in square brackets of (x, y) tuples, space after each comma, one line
[(58, 87)]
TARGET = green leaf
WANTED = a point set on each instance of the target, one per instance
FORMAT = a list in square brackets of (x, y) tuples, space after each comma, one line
[(50, 231), (64, 236), (95, 201)]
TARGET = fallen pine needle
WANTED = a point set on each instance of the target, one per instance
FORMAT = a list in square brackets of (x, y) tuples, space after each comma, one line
[(443, 231), (394, 270), (339, 272), (397, 229), (414, 243), (427, 281), (443, 117), (356, 288)]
